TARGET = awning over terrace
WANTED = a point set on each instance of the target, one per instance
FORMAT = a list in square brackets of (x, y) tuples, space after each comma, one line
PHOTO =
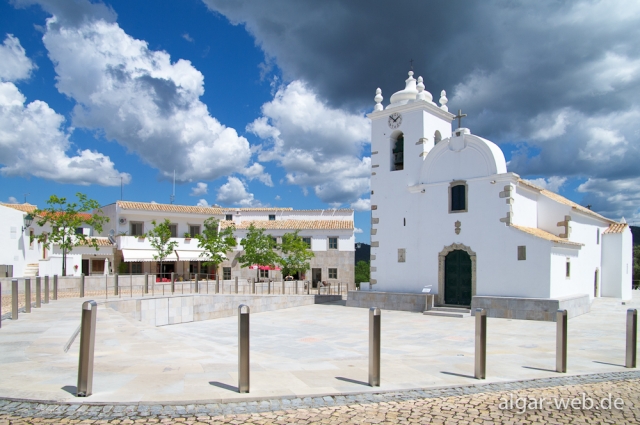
[(144, 255)]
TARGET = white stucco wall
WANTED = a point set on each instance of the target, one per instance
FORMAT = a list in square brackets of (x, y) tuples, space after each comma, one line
[(617, 264)]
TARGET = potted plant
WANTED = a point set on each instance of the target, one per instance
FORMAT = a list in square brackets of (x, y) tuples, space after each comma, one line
[(142, 236), (187, 236)]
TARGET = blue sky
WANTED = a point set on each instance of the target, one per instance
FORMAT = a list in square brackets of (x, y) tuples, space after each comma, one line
[(264, 103)]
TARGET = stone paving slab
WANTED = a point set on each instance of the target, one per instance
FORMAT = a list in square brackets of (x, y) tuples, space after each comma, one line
[(487, 403)]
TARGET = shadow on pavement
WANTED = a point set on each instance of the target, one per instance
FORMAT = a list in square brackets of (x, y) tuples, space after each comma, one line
[(224, 386), (458, 374), (71, 389), (539, 368), (353, 381)]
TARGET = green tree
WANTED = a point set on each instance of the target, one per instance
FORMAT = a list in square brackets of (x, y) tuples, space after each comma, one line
[(160, 239), (64, 218), (362, 272), (295, 254), (259, 249), (216, 242)]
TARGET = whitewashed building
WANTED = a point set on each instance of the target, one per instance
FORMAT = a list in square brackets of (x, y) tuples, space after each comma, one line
[(31, 258), (446, 214), (330, 234)]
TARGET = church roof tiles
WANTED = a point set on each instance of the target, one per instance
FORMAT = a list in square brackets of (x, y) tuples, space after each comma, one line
[(616, 228), (543, 234)]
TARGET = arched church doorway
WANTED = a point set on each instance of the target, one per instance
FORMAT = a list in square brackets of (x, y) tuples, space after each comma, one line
[(457, 278)]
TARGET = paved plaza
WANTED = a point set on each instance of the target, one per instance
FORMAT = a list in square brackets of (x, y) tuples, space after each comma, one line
[(311, 361)]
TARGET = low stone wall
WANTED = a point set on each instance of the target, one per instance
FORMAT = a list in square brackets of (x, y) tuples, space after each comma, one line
[(390, 300), (543, 309), (161, 311), (72, 283)]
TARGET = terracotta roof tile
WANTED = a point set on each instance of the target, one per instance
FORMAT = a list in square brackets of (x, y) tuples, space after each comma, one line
[(616, 228), (543, 234), (562, 200), (293, 224), (28, 208), (102, 241), (147, 206)]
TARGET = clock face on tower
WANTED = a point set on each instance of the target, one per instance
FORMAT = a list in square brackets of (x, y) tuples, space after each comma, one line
[(395, 120)]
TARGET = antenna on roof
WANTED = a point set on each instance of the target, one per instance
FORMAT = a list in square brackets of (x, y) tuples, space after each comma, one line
[(25, 197), (173, 195)]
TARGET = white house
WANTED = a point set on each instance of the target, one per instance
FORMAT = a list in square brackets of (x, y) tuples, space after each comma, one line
[(447, 214), (27, 258), (330, 234)]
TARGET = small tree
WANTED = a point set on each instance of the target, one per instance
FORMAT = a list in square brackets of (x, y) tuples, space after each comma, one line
[(259, 249), (362, 272), (64, 218), (295, 254), (216, 242), (636, 262), (160, 239)]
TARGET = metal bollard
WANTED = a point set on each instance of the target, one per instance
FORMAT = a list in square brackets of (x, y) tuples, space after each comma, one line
[(269, 287), (173, 282), (561, 341), (55, 287), (82, 285), (632, 337), (38, 292), (236, 284), (46, 289), (217, 283), (87, 343), (481, 344), (115, 284), (197, 285), (283, 287), (146, 283), (253, 285), (27, 295), (375, 317), (296, 287), (243, 349), (14, 299)]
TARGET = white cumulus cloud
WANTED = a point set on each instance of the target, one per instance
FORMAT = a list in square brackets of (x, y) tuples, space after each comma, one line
[(200, 189), (12, 200), (357, 230), (234, 192), (317, 145), (33, 140), (361, 205), (14, 63), (202, 203), (142, 99), (256, 171), (553, 183)]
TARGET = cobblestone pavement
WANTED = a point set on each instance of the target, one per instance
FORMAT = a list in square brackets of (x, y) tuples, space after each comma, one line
[(591, 399)]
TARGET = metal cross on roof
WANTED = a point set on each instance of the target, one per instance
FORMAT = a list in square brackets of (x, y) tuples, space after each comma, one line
[(411, 62), (459, 117)]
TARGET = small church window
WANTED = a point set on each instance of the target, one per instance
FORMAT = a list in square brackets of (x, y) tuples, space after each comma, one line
[(568, 271), (458, 197), (437, 137), (397, 153), (522, 253)]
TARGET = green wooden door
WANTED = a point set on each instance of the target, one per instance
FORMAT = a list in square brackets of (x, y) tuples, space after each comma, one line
[(457, 278)]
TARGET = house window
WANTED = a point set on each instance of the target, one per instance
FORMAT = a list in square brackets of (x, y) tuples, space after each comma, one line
[(136, 228), (264, 273), (136, 268), (568, 269), (397, 153), (522, 253), (307, 241), (228, 217), (272, 217), (598, 237), (194, 230), (333, 273), (333, 243), (437, 137), (79, 231), (226, 273), (274, 239), (458, 196), (174, 230)]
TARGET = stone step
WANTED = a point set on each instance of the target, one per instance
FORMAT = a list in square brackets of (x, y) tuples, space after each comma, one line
[(461, 314), (452, 309)]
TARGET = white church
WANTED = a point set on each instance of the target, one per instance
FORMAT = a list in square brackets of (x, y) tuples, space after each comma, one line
[(447, 215)]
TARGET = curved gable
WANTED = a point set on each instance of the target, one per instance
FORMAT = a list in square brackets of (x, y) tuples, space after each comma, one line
[(462, 157)]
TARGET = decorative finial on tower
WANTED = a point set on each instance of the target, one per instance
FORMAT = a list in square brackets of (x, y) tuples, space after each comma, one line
[(443, 101), (378, 100), (623, 221), (422, 93)]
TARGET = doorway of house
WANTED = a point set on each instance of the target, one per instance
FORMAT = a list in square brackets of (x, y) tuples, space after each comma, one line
[(457, 278), (316, 277), (85, 267)]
